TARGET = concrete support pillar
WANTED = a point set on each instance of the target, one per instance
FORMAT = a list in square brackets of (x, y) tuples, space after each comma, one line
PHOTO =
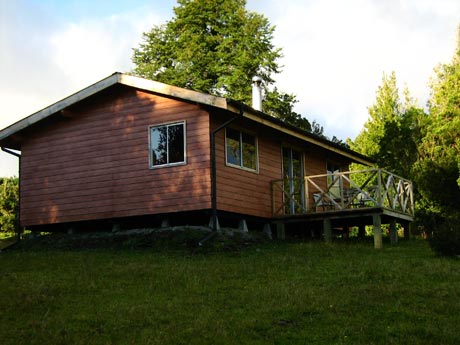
[(268, 231), (377, 222), (280, 231), (165, 223), (327, 230), (116, 227), (393, 232), (217, 223), (242, 225)]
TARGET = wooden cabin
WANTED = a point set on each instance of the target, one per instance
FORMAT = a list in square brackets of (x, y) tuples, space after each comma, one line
[(127, 149)]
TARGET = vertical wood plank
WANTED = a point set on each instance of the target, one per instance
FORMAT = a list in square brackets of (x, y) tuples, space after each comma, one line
[(377, 222), (393, 232), (327, 230), (280, 231)]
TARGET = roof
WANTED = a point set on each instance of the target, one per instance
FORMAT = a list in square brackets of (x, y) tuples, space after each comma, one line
[(181, 94)]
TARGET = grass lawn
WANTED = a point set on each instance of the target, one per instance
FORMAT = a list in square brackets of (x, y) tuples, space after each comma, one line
[(272, 293)]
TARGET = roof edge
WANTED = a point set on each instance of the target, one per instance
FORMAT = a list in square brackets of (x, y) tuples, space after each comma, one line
[(173, 91), (182, 94), (60, 105), (115, 78), (280, 125)]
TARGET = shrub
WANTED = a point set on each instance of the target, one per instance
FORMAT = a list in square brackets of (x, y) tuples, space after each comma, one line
[(446, 237), (9, 203)]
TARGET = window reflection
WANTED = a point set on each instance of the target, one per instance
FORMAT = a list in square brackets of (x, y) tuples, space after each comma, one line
[(167, 144), (241, 149)]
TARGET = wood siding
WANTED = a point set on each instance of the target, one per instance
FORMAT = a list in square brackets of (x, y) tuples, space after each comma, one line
[(93, 162), (248, 192)]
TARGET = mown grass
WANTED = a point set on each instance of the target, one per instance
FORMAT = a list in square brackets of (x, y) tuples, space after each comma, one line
[(275, 293)]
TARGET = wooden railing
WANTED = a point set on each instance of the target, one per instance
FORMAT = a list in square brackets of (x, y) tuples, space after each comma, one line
[(372, 188)]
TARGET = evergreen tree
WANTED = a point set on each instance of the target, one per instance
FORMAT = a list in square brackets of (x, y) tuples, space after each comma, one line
[(438, 169), (216, 46)]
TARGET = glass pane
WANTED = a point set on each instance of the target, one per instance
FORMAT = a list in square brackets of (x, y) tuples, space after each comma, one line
[(176, 143), (293, 181), (286, 163), (249, 151), (158, 140), (333, 181), (296, 165), (233, 147)]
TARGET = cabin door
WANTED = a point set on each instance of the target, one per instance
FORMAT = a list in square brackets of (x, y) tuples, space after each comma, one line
[(293, 181)]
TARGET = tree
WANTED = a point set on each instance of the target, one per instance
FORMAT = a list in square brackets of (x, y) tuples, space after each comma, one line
[(438, 170), (9, 204), (216, 46), (391, 133)]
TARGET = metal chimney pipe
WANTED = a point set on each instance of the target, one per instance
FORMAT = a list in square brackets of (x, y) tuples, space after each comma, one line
[(257, 93)]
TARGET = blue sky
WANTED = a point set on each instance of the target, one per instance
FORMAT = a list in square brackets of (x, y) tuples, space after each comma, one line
[(335, 51)]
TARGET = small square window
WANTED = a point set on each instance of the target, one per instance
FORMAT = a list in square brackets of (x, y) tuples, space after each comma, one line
[(167, 145), (241, 149)]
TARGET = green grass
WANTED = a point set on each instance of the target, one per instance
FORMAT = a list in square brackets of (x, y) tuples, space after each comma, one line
[(275, 293)]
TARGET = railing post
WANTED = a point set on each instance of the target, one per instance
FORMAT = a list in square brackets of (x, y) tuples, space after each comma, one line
[(379, 188), (307, 199), (327, 230), (377, 224)]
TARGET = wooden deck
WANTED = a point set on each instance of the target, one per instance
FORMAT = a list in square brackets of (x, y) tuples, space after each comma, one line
[(344, 191), (352, 198)]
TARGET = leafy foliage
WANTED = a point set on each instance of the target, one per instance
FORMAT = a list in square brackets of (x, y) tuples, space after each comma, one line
[(437, 171), (391, 134), (9, 204), (216, 47), (422, 147)]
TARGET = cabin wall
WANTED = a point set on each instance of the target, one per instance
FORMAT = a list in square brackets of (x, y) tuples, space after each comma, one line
[(247, 192), (93, 162), (243, 191)]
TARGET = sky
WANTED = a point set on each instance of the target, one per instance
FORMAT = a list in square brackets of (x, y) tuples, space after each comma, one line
[(335, 51)]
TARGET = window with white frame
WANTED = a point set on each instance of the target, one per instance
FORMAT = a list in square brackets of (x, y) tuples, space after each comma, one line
[(167, 144), (241, 149)]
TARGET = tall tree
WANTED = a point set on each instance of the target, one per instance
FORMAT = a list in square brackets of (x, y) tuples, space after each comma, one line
[(391, 133), (438, 170), (216, 46)]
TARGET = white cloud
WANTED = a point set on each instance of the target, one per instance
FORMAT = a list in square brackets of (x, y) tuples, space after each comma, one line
[(43, 60), (337, 51), (90, 50)]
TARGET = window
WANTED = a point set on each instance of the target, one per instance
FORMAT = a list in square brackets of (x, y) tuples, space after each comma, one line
[(333, 181), (167, 145), (241, 149)]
